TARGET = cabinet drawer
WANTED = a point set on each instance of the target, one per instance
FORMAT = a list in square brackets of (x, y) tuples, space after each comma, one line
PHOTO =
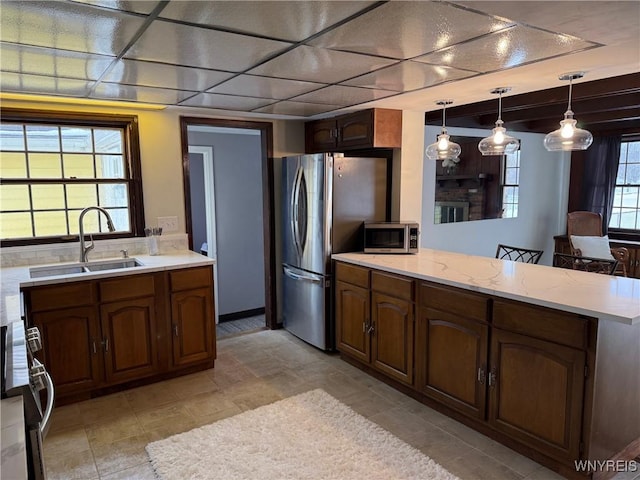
[(545, 323), (190, 278), (393, 285), (126, 287), (62, 296), (453, 300), (352, 274)]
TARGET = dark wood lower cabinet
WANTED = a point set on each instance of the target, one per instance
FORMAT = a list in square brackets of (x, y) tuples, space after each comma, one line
[(515, 371), (451, 360), (71, 348), (193, 336), (130, 346), (99, 334), (352, 320), (392, 336), (537, 393)]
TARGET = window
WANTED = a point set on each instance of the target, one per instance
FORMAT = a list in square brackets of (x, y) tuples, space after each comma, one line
[(53, 165), (625, 214), (510, 185)]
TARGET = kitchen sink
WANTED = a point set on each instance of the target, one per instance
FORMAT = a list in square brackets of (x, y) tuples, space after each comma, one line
[(50, 271), (112, 264), (73, 268)]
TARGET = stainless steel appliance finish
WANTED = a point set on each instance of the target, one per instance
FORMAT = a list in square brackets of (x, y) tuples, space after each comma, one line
[(24, 375), (325, 200), (391, 237)]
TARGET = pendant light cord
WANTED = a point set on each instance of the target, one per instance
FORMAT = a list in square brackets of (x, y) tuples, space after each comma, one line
[(570, 88), (500, 106), (444, 109)]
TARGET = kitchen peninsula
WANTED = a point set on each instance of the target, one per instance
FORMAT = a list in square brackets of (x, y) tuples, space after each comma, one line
[(545, 360)]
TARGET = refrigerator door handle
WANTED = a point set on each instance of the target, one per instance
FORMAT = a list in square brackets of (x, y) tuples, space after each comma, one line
[(289, 273), (294, 211)]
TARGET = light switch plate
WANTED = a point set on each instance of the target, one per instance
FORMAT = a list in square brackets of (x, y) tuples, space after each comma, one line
[(168, 224)]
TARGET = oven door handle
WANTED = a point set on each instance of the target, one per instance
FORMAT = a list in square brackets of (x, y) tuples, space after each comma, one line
[(46, 417)]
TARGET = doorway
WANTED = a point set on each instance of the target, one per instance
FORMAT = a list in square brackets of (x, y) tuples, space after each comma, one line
[(229, 210)]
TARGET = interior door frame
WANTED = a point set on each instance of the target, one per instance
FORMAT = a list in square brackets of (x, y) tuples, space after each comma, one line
[(210, 199), (268, 200)]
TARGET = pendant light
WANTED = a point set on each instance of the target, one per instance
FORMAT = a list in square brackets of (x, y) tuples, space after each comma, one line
[(499, 143), (444, 148), (568, 136)]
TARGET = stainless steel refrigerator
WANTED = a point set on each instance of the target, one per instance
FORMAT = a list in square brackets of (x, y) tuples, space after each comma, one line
[(325, 200)]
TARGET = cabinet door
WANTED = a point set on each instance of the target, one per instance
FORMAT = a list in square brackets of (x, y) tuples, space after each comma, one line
[(537, 393), (451, 356), (356, 130), (193, 326), (392, 336), (70, 348), (352, 321), (320, 136), (129, 339)]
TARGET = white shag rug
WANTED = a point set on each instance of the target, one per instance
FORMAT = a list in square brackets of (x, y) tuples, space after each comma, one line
[(308, 436)]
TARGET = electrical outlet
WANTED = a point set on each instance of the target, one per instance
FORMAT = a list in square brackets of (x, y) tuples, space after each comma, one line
[(168, 224)]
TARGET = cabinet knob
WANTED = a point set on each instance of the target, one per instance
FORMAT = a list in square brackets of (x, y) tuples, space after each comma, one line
[(106, 344), (175, 329), (371, 328)]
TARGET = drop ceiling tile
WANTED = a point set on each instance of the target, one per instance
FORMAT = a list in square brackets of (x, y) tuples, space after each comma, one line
[(138, 72), (47, 61), (408, 75), (138, 6), (115, 91), (201, 47), (341, 95), (299, 109), (226, 102), (320, 65), (14, 82), (286, 20), (67, 26), (507, 49), (407, 29), (265, 87)]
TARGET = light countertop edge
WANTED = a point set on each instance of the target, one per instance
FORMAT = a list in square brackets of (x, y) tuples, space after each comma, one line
[(595, 295)]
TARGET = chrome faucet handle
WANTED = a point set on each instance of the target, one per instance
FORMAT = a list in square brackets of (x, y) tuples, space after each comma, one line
[(88, 248), (125, 253)]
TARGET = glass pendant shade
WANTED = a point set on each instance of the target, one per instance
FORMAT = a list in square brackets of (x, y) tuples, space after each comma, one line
[(499, 143), (568, 137), (444, 148)]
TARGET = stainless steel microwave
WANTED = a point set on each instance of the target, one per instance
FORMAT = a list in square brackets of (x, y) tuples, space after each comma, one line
[(391, 237)]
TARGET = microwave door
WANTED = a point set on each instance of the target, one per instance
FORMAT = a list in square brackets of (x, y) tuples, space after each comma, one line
[(386, 238)]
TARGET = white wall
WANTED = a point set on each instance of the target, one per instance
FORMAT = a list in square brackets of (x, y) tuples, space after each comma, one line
[(542, 209)]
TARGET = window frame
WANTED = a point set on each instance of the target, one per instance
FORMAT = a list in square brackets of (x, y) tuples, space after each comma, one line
[(625, 233), (504, 184), (129, 125)]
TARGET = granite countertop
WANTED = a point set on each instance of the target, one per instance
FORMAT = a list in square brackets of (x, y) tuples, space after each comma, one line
[(14, 278), (596, 295)]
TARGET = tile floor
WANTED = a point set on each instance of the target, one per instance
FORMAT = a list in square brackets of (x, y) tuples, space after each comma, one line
[(104, 438), (242, 325)]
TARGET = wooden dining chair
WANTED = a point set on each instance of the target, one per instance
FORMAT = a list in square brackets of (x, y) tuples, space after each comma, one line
[(583, 224), (517, 254), (586, 264)]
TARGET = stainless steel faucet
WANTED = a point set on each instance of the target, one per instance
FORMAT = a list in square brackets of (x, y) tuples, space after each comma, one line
[(85, 250)]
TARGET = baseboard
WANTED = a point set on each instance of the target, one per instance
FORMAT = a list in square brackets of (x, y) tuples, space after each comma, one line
[(227, 317)]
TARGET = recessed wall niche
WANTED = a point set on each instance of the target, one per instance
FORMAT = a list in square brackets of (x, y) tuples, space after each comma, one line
[(471, 189)]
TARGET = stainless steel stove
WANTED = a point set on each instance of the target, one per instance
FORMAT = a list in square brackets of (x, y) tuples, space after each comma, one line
[(23, 374)]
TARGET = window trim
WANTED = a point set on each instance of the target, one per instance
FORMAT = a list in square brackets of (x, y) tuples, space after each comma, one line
[(129, 123), (626, 234)]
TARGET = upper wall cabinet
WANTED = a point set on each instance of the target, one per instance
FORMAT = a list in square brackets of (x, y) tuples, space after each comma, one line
[(373, 128)]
